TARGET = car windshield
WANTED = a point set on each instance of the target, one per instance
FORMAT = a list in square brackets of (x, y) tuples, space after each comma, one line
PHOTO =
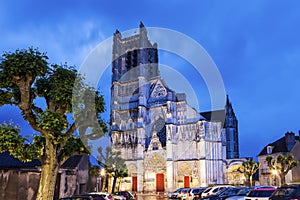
[(260, 193), (207, 190), (243, 192), (284, 191), (178, 190)]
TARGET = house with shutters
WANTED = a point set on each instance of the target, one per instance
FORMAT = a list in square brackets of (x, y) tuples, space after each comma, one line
[(289, 143)]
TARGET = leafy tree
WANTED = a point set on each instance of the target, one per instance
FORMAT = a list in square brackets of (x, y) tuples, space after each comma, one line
[(113, 164), (249, 168), (282, 164), (25, 78)]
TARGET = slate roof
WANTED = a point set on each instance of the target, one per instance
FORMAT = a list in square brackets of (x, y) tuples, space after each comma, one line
[(72, 162), (217, 115), (279, 146), (7, 161)]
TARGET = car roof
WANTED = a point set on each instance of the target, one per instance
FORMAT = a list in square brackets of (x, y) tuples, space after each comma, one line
[(264, 189)]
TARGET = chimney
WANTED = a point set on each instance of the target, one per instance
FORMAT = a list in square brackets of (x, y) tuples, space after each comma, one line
[(289, 140)]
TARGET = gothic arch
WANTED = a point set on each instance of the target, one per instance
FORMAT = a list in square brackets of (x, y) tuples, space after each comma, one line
[(132, 170), (184, 170), (155, 163), (234, 176)]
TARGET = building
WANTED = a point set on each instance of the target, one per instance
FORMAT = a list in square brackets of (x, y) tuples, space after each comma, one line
[(285, 145), (166, 143), (20, 180)]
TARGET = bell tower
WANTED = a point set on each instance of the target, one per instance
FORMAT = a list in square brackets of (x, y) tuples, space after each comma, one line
[(134, 52)]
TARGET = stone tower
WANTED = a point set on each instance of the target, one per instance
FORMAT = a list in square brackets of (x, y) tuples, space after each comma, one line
[(231, 130)]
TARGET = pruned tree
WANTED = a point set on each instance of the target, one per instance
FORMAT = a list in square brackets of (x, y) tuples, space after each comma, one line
[(113, 164), (282, 164), (26, 78), (249, 168)]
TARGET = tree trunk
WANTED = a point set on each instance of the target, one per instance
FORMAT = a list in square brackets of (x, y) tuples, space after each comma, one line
[(114, 184), (49, 173), (250, 181), (282, 179), (106, 183)]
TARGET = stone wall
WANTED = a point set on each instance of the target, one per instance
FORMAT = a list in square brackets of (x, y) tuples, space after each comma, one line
[(18, 185)]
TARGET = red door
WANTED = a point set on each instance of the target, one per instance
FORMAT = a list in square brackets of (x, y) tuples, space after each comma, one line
[(134, 183), (186, 181), (160, 186)]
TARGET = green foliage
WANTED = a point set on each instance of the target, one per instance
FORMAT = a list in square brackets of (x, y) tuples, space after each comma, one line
[(22, 65), (113, 164), (74, 144), (52, 121), (57, 87), (282, 164), (24, 77), (12, 141), (249, 168)]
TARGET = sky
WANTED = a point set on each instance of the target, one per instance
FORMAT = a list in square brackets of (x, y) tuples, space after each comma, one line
[(255, 45)]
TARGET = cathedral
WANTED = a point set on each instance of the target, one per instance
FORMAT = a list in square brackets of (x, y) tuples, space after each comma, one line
[(165, 142)]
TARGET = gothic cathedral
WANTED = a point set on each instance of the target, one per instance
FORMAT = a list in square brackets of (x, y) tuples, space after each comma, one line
[(166, 143)]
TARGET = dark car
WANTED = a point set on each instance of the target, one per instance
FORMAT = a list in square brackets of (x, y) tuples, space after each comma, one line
[(174, 195), (81, 197), (195, 193), (125, 194), (288, 192), (84, 197)]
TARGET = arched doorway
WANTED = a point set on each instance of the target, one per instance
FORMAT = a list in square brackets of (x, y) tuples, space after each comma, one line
[(155, 169), (184, 175), (132, 172)]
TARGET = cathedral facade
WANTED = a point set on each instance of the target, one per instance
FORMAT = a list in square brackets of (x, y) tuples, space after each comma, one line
[(166, 143)]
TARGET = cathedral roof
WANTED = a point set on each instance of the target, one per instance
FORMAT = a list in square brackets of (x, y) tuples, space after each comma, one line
[(217, 115)]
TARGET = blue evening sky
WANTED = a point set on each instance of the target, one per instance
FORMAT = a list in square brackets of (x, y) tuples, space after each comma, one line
[(255, 45)]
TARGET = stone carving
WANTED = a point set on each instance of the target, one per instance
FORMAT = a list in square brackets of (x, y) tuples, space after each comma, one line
[(155, 163)]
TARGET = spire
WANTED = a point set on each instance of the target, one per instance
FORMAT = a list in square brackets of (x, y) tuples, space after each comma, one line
[(117, 33), (228, 103), (141, 25)]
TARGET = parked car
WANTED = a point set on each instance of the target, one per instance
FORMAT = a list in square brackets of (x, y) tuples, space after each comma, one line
[(288, 192), (262, 193), (118, 197), (77, 198), (106, 196), (183, 194), (222, 194), (240, 194), (125, 194), (214, 190), (174, 195), (194, 193)]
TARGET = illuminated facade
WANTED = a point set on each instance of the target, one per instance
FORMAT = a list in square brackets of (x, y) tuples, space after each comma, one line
[(166, 143)]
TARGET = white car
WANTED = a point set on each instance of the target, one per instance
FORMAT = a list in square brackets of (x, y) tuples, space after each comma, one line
[(262, 193), (214, 190), (192, 193)]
